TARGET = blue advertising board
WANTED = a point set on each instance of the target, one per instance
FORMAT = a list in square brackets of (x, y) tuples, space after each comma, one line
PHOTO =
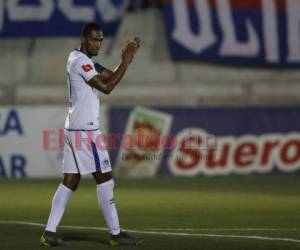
[(36, 18), (256, 32), (222, 141)]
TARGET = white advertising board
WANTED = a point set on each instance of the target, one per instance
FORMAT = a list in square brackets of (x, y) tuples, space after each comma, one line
[(23, 152)]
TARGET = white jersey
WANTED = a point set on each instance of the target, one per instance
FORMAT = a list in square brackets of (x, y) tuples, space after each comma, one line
[(84, 103)]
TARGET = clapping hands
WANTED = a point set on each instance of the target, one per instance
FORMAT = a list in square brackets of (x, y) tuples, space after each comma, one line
[(130, 49)]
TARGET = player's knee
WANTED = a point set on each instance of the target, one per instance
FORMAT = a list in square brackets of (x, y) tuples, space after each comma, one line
[(102, 177), (71, 185), (74, 185), (71, 181)]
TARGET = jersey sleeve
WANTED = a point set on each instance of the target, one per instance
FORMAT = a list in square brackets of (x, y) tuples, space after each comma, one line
[(86, 68), (99, 68)]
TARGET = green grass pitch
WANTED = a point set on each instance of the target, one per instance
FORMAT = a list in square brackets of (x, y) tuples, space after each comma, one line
[(237, 212)]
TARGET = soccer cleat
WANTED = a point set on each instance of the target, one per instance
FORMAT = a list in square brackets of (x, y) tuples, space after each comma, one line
[(51, 239), (124, 239)]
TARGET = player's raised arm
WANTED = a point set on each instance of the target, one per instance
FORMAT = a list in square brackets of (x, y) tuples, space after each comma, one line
[(107, 79)]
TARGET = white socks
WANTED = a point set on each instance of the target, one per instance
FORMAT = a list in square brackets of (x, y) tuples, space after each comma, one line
[(106, 201), (59, 202)]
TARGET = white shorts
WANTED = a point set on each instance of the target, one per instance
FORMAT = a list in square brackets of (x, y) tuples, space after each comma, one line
[(84, 153)]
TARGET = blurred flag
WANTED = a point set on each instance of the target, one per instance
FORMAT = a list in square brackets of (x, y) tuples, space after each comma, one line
[(256, 32)]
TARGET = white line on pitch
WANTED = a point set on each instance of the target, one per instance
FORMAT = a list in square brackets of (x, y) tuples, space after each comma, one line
[(254, 237), (193, 229)]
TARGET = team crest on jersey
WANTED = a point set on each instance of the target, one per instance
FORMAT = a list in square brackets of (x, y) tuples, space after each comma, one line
[(87, 67)]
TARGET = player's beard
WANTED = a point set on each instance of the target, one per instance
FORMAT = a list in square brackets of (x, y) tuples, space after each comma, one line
[(95, 52)]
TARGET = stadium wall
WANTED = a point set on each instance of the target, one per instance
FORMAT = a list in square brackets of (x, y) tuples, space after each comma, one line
[(33, 72)]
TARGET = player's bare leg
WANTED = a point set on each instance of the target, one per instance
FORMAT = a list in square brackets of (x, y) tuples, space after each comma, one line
[(105, 186), (71, 181), (59, 202)]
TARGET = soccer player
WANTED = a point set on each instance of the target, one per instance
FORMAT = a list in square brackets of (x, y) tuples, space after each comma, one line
[(85, 80)]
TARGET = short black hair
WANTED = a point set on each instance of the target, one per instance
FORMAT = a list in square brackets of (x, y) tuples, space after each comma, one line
[(87, 28)]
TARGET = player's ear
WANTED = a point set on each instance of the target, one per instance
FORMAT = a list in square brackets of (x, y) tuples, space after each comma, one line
[(82, 39)]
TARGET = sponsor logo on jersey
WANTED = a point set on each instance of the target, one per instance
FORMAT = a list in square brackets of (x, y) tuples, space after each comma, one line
[(87, 67)]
